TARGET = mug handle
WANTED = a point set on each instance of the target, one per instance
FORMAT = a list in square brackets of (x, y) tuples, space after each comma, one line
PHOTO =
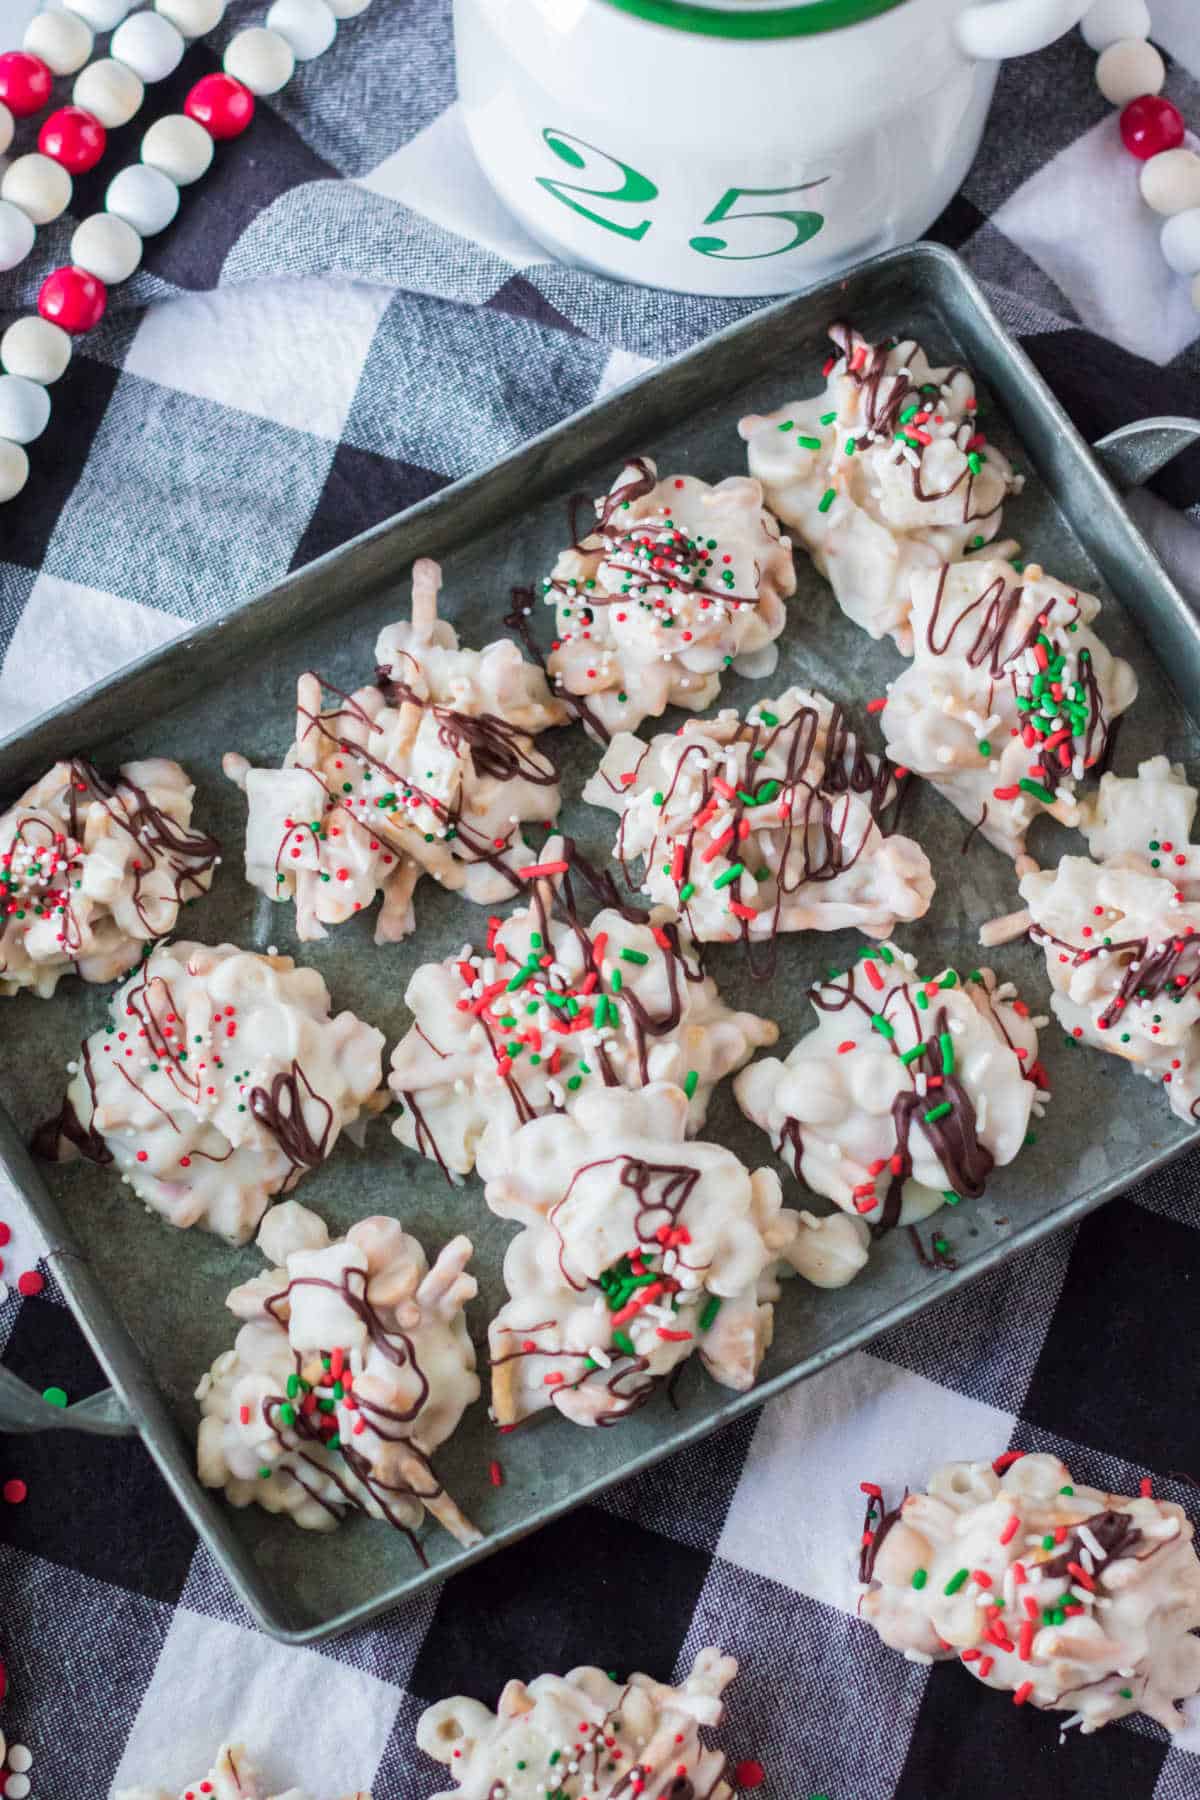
[(989, 32), (23, 1410), (1135, 452)]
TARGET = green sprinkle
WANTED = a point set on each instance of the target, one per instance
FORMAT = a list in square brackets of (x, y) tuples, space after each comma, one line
[(1048, 1541), (634, 956), (947, 1049), (974, 462), (951, 1198), (828, 418), (287, 1414), (624, 1343), (615, 981), (809, 443), (600, 1016), (521, 977), (938, 1112), (712, 1308), (976, 543), (54, 1396), (690, 1082), (1066, 1490), (768, 791), (922, 1000), (768, 718), (920, 1577), (264, 1474), (827, 499), (686, 891), (984, 747), (956, 1581), (850, 446), (729, 874), (1036, 789), (882, 1026), (576, 1081), (787, 425), (658, 798), (909, 1056), (293, 1386), (1125, 1693)]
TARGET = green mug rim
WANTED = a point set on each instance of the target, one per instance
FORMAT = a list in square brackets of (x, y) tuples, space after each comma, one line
[(774, 22)]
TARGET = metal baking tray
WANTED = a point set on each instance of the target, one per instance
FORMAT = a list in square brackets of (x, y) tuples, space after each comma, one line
[(150, 1299)]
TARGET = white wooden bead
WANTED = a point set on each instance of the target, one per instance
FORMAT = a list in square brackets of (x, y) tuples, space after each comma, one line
[(63, 41), (149, 45), (108, 247), (144, 197), (1180, 240), (347, 9), (24, 409), (40, 187), (7, 127), (192, 17), (179, 147), (1170, 181), (101, 15), (308, 26), (14, 470), (17, 233), (1108, 21), (1129, 68), (261, 60), (36, 349), (109, 90)]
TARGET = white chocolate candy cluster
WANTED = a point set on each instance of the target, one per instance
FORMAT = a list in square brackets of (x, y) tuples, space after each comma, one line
[(431, 770), (1122, 952), (551, 1009), (677, 581), (908, 1092), (884, 474), (352, 1365), (91, 871), (768, 824), (1068, 1598), (638, 1249), (233, 1777), (219, 1081), (1010, 698), (584, 1733), (1144, 822)]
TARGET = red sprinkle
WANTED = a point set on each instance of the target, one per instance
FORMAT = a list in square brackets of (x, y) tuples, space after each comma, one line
[(986, 1666), (1145, 1487), (1025, 1648), (874, 706), (1022, 1694), (15, 1491), (749, 1774), (1081, 1575), (1006, 1460), (31, 1283), (496, 1475), (1010, 1530), (848, 1045), (532, 870), (873, 975), (872, 1488)]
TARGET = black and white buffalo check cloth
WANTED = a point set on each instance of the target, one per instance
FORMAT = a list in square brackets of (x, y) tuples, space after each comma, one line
[(340, 321)]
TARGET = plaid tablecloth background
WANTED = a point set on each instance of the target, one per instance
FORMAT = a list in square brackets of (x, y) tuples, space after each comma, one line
[(340, 321)]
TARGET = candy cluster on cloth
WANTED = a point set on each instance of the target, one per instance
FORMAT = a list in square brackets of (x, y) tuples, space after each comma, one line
[(352, 1366), (907, 1094), (232, 1777), (1121, 937), (430, 770), (1063, 1596), (677, 581), (884, 474), (1010, 698), (93, 870), (219, 1081), (639, 1248), (752, 827), (585, 1733), (551, 1009)]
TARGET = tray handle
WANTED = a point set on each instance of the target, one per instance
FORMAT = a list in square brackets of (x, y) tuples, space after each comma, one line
[(24, 1410), (1135, 452)]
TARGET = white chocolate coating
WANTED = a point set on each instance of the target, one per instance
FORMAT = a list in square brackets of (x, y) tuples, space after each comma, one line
[(1123, 956), (846, 1107), (874, 514), (430, 771), (811, 834), (677, 581), (1144, 822), (608, 1196), (232, 1777), (92, 871), (209, 1134), (981, 632), (352, 1365), (1105, 1639), (627, 997), (583, 1726)]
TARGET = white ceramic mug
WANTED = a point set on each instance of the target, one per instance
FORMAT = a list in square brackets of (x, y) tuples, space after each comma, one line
[(733, 146)]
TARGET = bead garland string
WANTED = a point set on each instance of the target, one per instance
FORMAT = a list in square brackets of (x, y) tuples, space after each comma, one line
[(142, 198), (1130, 73)]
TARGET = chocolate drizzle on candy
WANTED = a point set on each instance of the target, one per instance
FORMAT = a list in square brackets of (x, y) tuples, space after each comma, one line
[(553, 1005)]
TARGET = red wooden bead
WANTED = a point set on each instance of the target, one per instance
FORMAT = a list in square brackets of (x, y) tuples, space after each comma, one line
[(1149, 125), (74, 138), (73, 299), (222, 105), (25, 83)]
